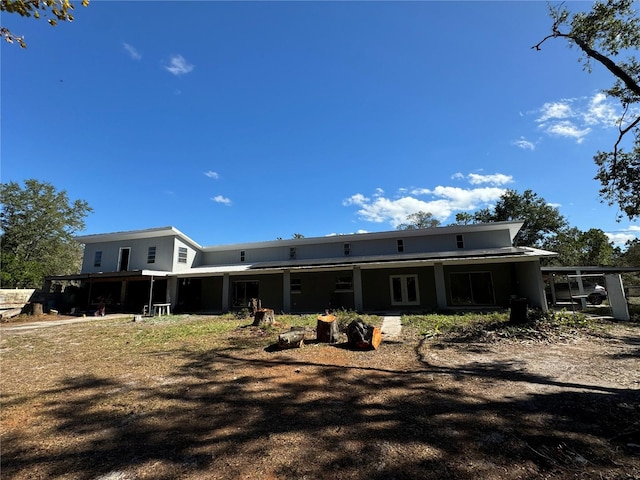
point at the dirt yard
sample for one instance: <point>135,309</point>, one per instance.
<point>122,400</point>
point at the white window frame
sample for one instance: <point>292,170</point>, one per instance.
<point>151,254</point>
<point>400,245</point>
<point>347,249</point>
<point>404,290</point>
<point>183,254</point>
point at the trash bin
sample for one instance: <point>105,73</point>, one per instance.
<point>518,310</point>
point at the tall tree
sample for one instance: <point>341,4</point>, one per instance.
<point>38,224</point>
<point>609,34</point>
<point>419,220</point>
<point>56,10</point>
<point>540,219</point>
<point>575,247</point>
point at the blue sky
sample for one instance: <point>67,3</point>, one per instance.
<point>248,121</point>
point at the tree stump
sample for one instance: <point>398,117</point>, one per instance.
<point>291,339</point>
<point>264,316</point>
<point>327,329</point>
<point>36,309</point>
<point>362,336</point>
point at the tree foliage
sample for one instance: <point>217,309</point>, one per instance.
<point>38,224</point>
<point>419,220</point>
<point>575,247</point>
<point>54,10</point>
<point>540,219</point>
<point>609,34</point>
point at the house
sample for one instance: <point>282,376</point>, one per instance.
<point>444,268</point>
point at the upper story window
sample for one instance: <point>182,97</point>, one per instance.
<point>182,254</point>
<point>460,241</point>
<point>151,255</point>
<point>242,256</point>
<point>97,259</point>
<point>347,249</point>
<point>400,244</point>
<point>292,252</point>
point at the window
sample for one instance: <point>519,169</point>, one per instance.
<point>182,254</point>
<point>347,249</point>
<point>471,288</point>
<point>97,259</point>
<point>123,264</point>
<point>292,252</point>
<point>151,255</point>
<point>344,284</point>
<point>459,241</point>
<point>296,285</point>
<point>404,290</point>
<point>242,255</point>
<point>400,244</point>
<point>243,292</point>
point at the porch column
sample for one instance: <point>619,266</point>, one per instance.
<point>357,289</point>
<point>286,291</point>
<point>123,293</point>
<point>441,286</point>
<point>225,292</point>
<point>172,291</point>
<point>583,301</point>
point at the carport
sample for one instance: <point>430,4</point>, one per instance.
<point>578,276</point>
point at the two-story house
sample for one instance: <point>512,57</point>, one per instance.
<point>443,268</point>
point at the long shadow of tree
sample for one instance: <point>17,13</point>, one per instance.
<point>300,419</point>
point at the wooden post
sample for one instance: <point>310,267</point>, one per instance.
<point>327,329</point>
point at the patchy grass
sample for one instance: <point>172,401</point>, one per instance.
<point>436,323</point>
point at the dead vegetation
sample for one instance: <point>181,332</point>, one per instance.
<point>206,398</point>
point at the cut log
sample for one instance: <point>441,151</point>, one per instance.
<point>362,336</point>
<point>327,329</point>
<point>11,313</point>
<point>291,339</point>
<point>264,316</point>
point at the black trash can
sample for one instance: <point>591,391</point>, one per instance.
<point>518,310</point>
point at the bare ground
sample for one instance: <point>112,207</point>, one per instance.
<point>93,401</point>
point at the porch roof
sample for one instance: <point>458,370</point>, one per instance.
<point>506,254</point>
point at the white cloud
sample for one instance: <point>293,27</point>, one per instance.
<point>576,118</point>
<point>623,236</point>
<point>445,201</point>
<point>495,179</point>
<point>555,110</point>
<point>599,112</point>
<point>178,65</point>
<point>478,179</point>
<point>133,53</point>
<point>357,199</point>
<point>567,129</point>
<point>212,174</point>
<point>524,144</point>
<point>220,199</point>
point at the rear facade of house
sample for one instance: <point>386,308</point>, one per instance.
<point>445,268</point>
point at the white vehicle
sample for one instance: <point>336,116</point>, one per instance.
<point>570,292</point>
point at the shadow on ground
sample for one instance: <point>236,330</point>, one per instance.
<point>283,418</point>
